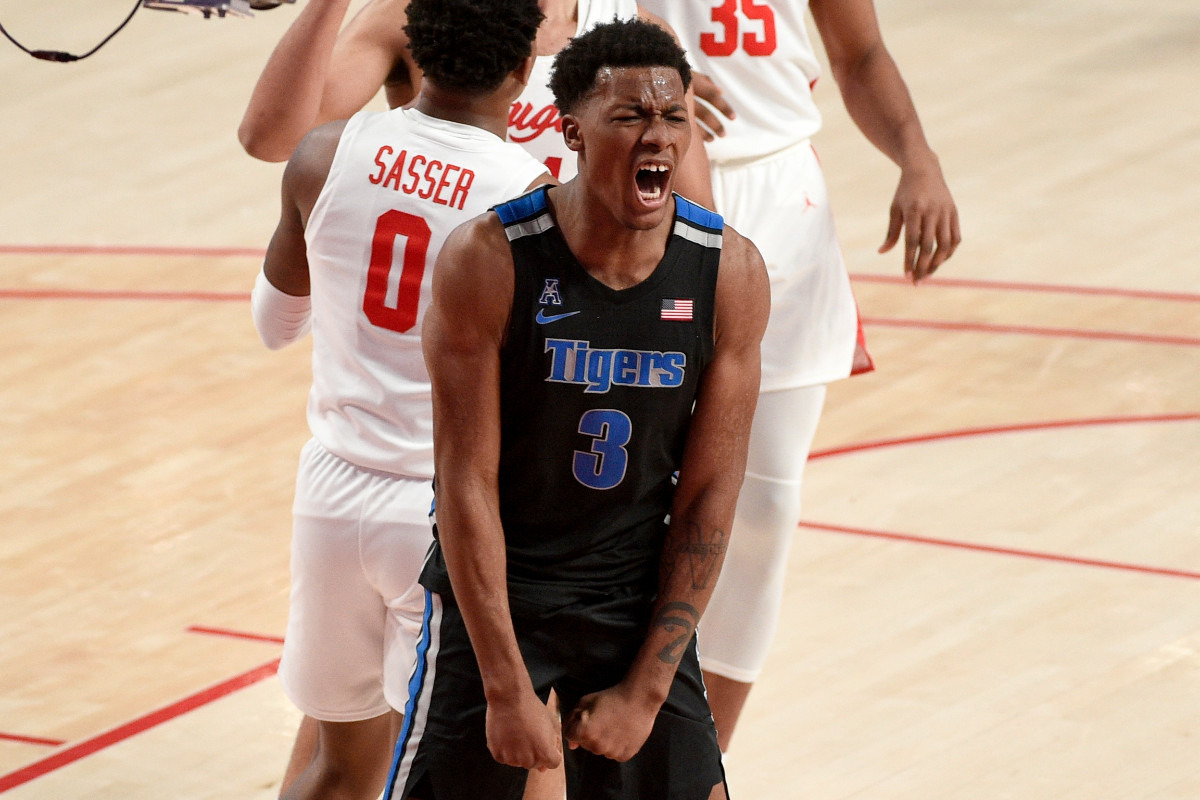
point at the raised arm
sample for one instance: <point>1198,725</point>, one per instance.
<point>462,334</point>
<point>617,721</point>
<point>316,75</point>
<point>880,105</point>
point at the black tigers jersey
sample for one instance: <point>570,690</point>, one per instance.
<point>597,390</point>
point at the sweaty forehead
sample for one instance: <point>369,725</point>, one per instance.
<point>649,86</point>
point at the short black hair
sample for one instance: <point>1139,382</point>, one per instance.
<point>471,45</point>
<point>620,43</point>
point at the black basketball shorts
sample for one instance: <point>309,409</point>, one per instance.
<point>575,648</point>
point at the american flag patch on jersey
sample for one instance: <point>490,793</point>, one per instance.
<point>680,310</point>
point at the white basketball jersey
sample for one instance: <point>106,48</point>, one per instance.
<point>399,183</point>
<point>759,53</point>
<point>534,121</point>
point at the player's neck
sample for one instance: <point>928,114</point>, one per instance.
<point>612,252</point>
<point>487,112</point>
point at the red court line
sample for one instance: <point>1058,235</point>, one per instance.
<point>104,294</point>
<point>139,725</point>
<point>1015,428</point>
<point>129,250</point>
<point>974,327</point>
<point>1029,330</point>
<point>860,277</point>
<point>254,637</point>
<point>1020,428</point>
<point>1015,286</point>
<point>1006,551</point>
<point>16,737</point>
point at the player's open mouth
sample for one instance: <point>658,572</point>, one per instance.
<point>652,181</point>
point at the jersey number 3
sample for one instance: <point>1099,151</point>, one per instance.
<point>726,16</point>
<point>604,466</point>
<point>391,301</point>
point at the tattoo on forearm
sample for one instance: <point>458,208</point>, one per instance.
<point>676,618</point>
<point>702,553</point>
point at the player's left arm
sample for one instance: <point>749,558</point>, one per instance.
<point>280,302</point>
<point>692,179</point>
<point>880,105</point>
<point>617,721</point>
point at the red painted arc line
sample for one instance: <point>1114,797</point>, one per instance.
<point>139,725</point>
<point>254,637</point>
<point>1016,286</point>
<point>1030,330</point>
<point>16,737</point>
<point>1015,428</point>
<point>104,294</point>
<point>1007,551</point>
<point>130,250</point>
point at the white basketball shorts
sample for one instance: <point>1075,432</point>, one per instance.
<point>781,204</point>
<point>359,538</point>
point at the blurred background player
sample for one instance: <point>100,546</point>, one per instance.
<point>367,204</point>
<point>768,184</point>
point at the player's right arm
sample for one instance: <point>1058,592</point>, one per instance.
<point>462,335</point>
<point>879,102</point>
<point>280,303</point>
<point>316,74</point>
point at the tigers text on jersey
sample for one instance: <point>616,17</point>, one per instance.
<point>533,121</point>
<point>596,393</point>
<point>399,183</point>
<point>759,53</point>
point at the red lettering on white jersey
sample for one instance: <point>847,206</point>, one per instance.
<point>431,183</point>
<point>524,124</point>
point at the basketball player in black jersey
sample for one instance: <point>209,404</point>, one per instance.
<point>572,333</point>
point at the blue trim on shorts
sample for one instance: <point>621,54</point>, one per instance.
<point>414,687</point>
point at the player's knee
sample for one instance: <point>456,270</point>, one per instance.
<point>766,519</point>
<point>767,504</point>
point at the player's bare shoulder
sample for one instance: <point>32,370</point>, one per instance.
<point>474,271</point>
<point>743,288</point>
<point>480,237</point>
<point>309,165</point>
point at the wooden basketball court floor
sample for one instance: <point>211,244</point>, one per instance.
<point>996,589</point>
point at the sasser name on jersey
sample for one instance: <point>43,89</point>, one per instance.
<point>422,176</point>
<point>575,361</point>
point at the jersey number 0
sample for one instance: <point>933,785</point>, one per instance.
<point>389,302</point>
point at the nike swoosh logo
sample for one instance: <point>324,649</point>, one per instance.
<point>542,317</point>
